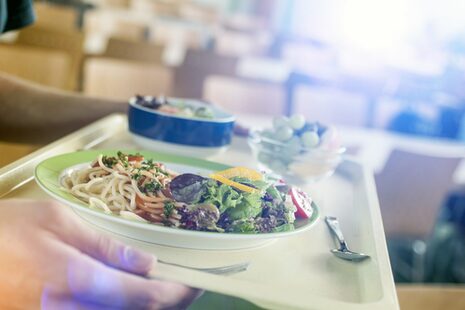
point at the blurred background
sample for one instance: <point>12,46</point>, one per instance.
<point>389,73</point>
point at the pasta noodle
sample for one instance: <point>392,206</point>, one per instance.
<point>127,186</point>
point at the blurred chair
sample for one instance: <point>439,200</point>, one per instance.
<point>118,4</point>
<point>102,24</point>
<point>56,17</point>
<point>44,66</point>
<point>245,96</point>
<point>122,79</point>
<point>416,119</point>
<point>263,68</point>
<point>431,297</point>
<point>386,109</point>
<point>178,33</point>
<point>316,61</point>
<point>411,189</point>
<point>244,22</point>
<point>330,105</point>
<point>130,30</point>
<point>70,42</point>
<point>111,24</point>
<point>198,64</point>
<point>130,50</point>
<point>211,61</point>
<point>161,8</point>
<point>239,44</point>
<point>197,12</point>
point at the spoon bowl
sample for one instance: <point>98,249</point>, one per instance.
<point>349,255</point>
<point>343,251</point>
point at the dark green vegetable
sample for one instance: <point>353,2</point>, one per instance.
<point>222,196</point>
<point>243,226</point>
<point>188,188</point>
<point>249,207</point>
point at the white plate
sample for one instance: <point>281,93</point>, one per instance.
<point>50,172</point>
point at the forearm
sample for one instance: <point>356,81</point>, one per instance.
<point>35,114</point>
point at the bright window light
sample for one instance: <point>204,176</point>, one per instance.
<point>374,25</point>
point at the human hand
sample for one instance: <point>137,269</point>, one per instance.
<point>51,260</point>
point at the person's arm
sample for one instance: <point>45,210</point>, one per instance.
<point>31,113</point>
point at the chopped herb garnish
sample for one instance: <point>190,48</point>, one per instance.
<point>123,158</point>
<point>109,161</point>
<point>136,174</point>
<point>149,164</point>
<point>168,209</point>
<point>160,170</point>
<point>152,186</point>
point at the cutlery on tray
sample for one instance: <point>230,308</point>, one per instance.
<point>343,251</point>
<point>221,270</point>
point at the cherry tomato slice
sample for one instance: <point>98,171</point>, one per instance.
<point>135,158</point>
<point>302,202</point>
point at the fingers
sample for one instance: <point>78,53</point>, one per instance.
<point>99,246</point>
<point>114,253</point>
<point>92,282</point>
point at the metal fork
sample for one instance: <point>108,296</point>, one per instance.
<point>221,270</point>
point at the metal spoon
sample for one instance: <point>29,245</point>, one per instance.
<point>343,251</point>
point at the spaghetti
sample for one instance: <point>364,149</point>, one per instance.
<point>128,186</point>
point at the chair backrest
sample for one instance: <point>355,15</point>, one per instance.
<point>330,105</point>
<point>245,96</point>
<point>70,42</point>
<point>177,33</point>
<point>130,50</point>
<point>211,61</point>
<point>53,16</point>
<point>411,189</point>
<point>244,22</point>
<point>239,44</point>
<point>200,13</point>
<point>126,25</point>
<point>117,4</point>
<point>386,109</point>
<point>197,66</point>
<point>44,66</point>
<point>122,79</point>
<point>130,30</point>
<point>161,8</point>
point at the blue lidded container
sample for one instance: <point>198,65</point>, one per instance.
<point>187,135</point>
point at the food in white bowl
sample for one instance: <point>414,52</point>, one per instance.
<point>297,150</point>
<point>236,200</point>
<point>52,174</point>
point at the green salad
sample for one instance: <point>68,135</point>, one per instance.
<point>248,206</point>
